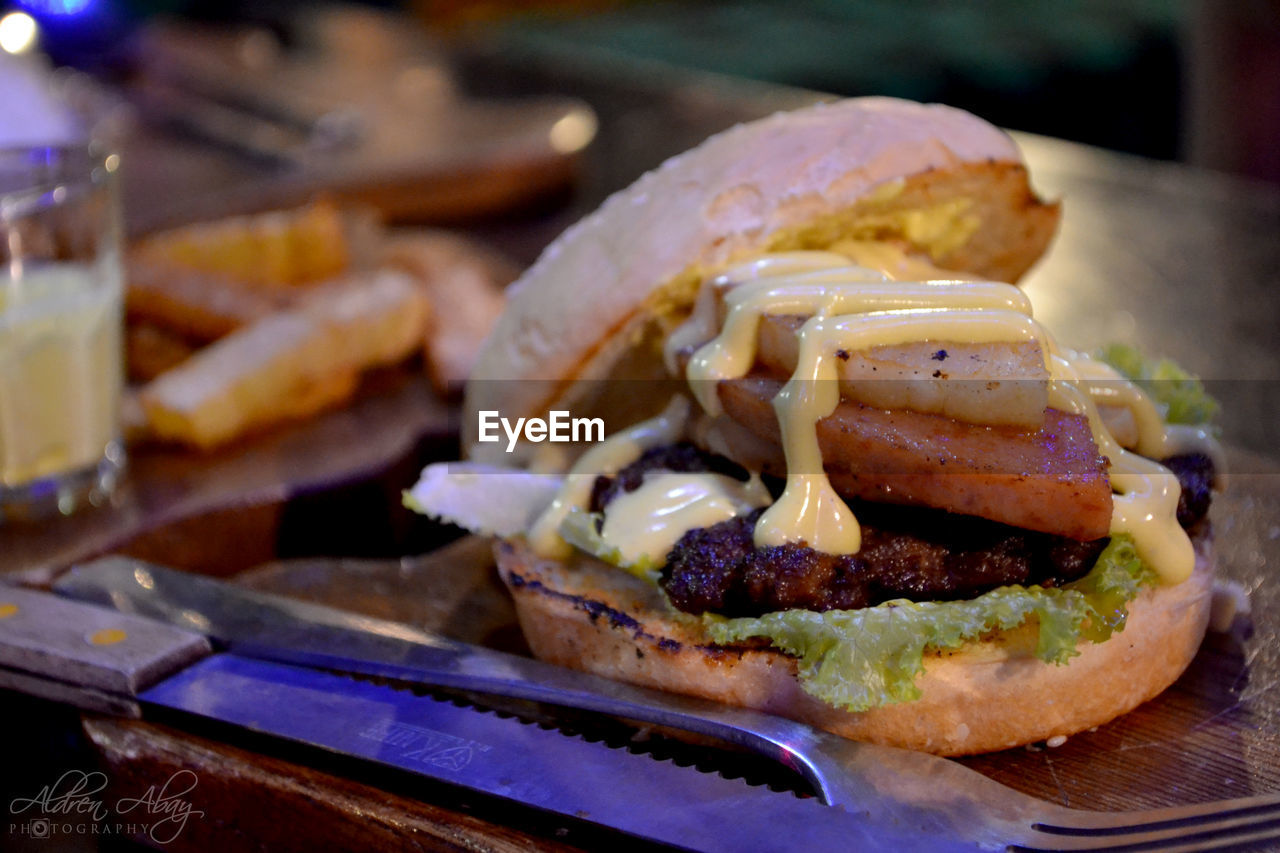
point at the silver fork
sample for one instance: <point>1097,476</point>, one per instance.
<point>912,790</point>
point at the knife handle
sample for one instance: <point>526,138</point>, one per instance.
<point>89,656</point>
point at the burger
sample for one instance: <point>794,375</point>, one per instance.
<point>848,478</point>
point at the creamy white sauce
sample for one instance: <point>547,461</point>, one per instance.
<point>646,523</point>
<point>1145,504</point>
<point>1106,386</point>
<point>608,457</point>
<point>1184,438</point>
<point>854,308</point>
<point>701,325</point>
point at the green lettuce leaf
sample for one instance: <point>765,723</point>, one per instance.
<point>1115,580</point>
<point>581,529</point>
<point>1179,395</point>
<point>861,659</point>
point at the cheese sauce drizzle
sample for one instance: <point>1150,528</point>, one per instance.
<point>646,523</point>
<point>854,308</point>
<point>1155,438</point>
<point>608,457</point>
<point>702,324</point>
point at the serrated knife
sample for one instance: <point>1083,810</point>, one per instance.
<point>272,679</point>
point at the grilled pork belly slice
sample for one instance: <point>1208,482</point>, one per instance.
<point>1050,479</point>
<point>997,383</point>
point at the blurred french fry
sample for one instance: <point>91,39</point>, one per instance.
<point>133,420</point>
<point>279,248</point>
<point>195,305</point>
<point>150,350</point>
<point>380,316</point>
<point>465,284</point>
<point>288,364</point>
<point>292,324</point>
<point>203,281</point>
<point>364,234</point>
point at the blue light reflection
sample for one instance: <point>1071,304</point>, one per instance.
<point>56,8</point>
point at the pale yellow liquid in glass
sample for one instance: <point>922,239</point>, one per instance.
<point>60,369</point>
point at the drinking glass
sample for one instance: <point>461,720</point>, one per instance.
<point>61,374</point>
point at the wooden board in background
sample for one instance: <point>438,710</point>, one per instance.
<point>221,512</point>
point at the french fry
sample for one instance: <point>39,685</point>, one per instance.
<point>465,284</point>
<point>380,316</point>
<point>278,248</point>
<point>199,306</point>
<point>150,350</point>
<point>133,419</point>
<point>288,364</point>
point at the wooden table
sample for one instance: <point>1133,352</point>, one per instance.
<point>1177,261</point>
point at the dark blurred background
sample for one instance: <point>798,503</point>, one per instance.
<point>1194,80</point>
<point>1101,71</point>
<point>1197,80</point>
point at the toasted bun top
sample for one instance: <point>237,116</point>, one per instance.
<point>864,168</point>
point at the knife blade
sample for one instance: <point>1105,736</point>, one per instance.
<point>882,786</point>
<point>635,794</point>
<point>499,756</point>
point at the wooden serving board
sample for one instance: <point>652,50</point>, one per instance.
<point>224,511</point>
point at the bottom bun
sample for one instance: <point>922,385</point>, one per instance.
<point>987,695</point>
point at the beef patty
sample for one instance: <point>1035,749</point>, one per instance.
<point>915,553</point>
<point>682,457</point>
